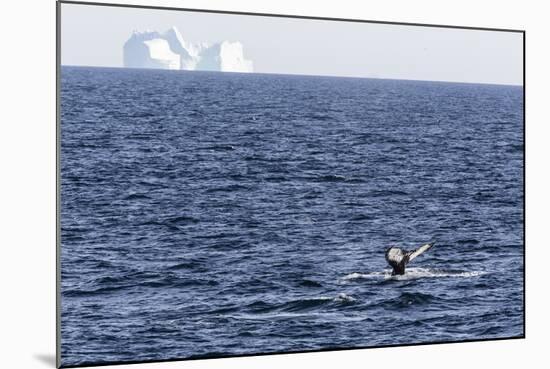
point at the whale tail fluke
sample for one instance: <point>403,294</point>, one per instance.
<point>419,251</point>
<point>398,258</point>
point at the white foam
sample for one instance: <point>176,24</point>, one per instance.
<point>373,275</point>
<point>413,273</point>
<point>342,297</point>
<point>319,316</point>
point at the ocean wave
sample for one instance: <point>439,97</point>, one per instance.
<point>300,305</point>
<point>136,196</point>
<point>109,284</point>
<point>317,316</point>
<point>407,300</point>
<point>304,303</point>
<point>331,178</point>
<point>138,136</point>
<point>310,283</point>
<point>218,148</point>
<point>183,219</point>
<point>342,297</point>
<point>184,265</point>
<point>387,193</point>
<point>360,217</point>
<point>169,225</point>
<point>229,188</point>
<point>472,241</point>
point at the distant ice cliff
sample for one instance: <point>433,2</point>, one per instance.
<point>151,49</point>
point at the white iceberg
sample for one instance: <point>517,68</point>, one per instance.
<point>225,57</point>
<point>151,49</point>
<point>144,50</point>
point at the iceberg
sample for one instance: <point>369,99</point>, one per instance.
<point>225,57</point>
<point>146,50</point>
<point>169,50</point>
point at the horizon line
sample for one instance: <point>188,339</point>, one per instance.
<point>300,75</point>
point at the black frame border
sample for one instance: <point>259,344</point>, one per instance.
<point>206,357</point>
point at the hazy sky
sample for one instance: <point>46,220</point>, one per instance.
<point>94,36</point>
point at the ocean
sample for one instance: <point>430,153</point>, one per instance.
<point>208,214</point>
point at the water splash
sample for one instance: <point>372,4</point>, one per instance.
<point>414,273</point>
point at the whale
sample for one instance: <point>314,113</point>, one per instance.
<point>398,258</point>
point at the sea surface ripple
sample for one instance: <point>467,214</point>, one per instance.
<point>207,214</point>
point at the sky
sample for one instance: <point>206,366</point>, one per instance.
<point>94,36</point>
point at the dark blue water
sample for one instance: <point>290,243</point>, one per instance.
<point>207,214</point>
